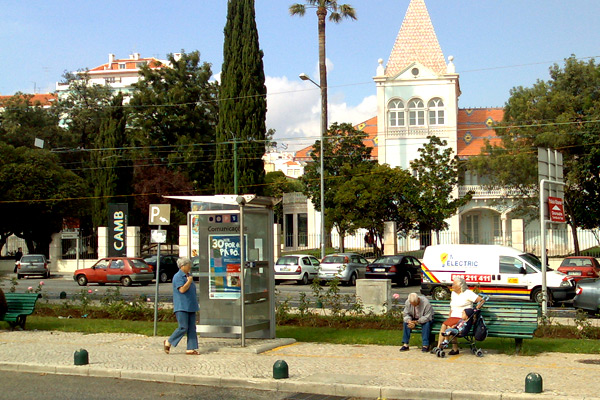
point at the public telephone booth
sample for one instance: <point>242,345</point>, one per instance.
<point>217,247</point>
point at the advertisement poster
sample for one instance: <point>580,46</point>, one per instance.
<point>117,229</point>
<point>195,239</point>
<point>224,266</point>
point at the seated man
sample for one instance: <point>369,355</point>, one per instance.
<point>417,311</point>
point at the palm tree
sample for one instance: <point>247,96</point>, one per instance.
<point>337,12</point>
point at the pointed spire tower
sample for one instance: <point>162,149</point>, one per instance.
<point>416,42</point>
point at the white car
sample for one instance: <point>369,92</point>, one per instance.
<point>301,268</point>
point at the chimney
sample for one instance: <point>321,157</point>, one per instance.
<point>134,56</point>
<point>111,59</point>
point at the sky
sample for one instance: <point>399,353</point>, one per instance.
<point>497,45</point>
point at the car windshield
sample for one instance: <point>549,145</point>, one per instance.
<point>138,263</point>
<point>534,261</point>
<point>387,260</point>
<point>334,260</point>
<point>150,259</point>
<point>287,260</point>
<point>32,259</point>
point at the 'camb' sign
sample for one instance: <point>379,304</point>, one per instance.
<point>117,230</point>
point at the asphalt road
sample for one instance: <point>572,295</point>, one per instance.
<point>23,386</point>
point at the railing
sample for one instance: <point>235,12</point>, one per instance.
<point>413,131</point>
<point>484,192</point>
<point>88,248</point>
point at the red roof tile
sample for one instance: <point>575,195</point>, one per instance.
<point>474,126</point>
<point>43,99</point>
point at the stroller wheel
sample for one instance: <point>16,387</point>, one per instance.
<point>474,350</point>
<point>479,353</point>
<point>442,354</point>
<point>434,350</point>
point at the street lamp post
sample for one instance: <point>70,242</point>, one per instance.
<point>305,77</point>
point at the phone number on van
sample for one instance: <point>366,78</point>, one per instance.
<point>473,277</point>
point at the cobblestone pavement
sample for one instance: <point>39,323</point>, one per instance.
<point>349,370</point>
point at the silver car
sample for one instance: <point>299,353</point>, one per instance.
<point>348,267</point>
<point>301,268</point>
<point>33,264</point>
<point>588,295</point>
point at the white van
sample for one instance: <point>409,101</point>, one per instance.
<point>498,271</point>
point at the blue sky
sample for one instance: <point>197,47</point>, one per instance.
<point>496,45</point>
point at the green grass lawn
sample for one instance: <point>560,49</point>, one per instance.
<point>311,334</point>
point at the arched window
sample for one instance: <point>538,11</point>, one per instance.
<point>416,112</point>
<point>396,113</point>
<point>436,111</point>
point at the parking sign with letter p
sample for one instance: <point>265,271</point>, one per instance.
<point>159,214</point>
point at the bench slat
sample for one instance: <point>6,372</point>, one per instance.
<point>20,305</point>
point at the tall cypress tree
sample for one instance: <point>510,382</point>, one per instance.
<point>242,105</point>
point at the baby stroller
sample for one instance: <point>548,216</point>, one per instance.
<point>467,331</point>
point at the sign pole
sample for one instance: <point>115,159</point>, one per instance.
<point>156,288</point>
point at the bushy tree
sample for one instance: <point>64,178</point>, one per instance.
<point>243,104</point>
<point>174,113</point>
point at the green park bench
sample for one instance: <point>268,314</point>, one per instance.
<point>506,319</point>
<point>20,305</point>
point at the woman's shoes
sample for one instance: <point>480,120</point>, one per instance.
<point>166,347</point>
<point>453,352</point>
<point>404,348</point>
<point>425,349</point>
<point>192,353</point>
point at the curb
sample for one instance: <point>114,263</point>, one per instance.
<point>334,389</point>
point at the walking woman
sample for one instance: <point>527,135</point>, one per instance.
<point>185,306</point>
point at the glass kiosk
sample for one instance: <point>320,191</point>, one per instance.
<point>216,246</point>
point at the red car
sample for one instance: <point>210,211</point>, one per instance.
<point>580,267</point>
<point>124,270</point>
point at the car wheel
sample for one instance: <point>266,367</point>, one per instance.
<point>82,280</point>
<point>144,283</point>
<point>278,282</point>
<point>126,281</point>
<point>163,277</point>
<point>440,293</point>
<point>101,284</point>
<point>304,280</point>
<point>536,296</point>
<point>404,280</point>
<point>19,276</point>
<point>352,280</point>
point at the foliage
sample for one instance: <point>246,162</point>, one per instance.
<point>174,116</point>
<point>276,184</point>
<point>112,173</point>
<point>561,113</point>
<point>243,104</point>
<point>344,152</point>
<point>437,177</point>
<point>36,192</point>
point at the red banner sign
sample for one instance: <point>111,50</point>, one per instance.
<point>556,210</point>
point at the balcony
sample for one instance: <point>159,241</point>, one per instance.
<point>417,131</point>
<point>485,192</point>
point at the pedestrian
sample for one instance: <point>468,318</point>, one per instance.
<point>18,256</point>
<point>417,311</point>
<point>185,306</point>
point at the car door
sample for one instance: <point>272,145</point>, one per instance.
<point>513,282</point>
<point>306,265</point>
<point>415,265</point>
<point>314,261</point>
<point>115,271</point>
<point>360,265</point>
<point>98,274</point>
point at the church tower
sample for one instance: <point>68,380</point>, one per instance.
<point>417,92</point>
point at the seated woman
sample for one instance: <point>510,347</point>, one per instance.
<point>462,297</point>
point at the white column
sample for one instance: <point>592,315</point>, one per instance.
<point>133,241</point>
<point>102,242</point>
<point>390,238</point>
<point>183,241</point>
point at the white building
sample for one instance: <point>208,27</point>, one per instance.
<point>119,74</point>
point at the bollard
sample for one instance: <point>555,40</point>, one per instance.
<point>280,370</point>
<point>533,383</point>
<point>62,295</point>
<point>81,357</point>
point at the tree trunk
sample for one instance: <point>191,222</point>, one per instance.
<point>321,14</point>
<point>575,238</point>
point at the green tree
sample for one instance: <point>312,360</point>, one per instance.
<point>337,12</point>
<point>276,184</point>
<point>561,113</point>
<point>437,174</point>
<point>174,113</point>
<point>35,194</point>
<point>343,150</point>
<point>112,172</point>
<point>243,104</point>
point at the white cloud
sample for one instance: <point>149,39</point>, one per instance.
<point>294,111</point>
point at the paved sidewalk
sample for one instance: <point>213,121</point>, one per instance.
<point>342,370</point>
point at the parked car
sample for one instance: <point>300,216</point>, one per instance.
<point>196,267</point>
<point>587,295</point>
<point>348,267</point>
<point>33,264</point>
<point>301,268</point>
<point>124,270</point>
<point>580,267</point>
<point>168,266</point>
<point>402,270</point>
